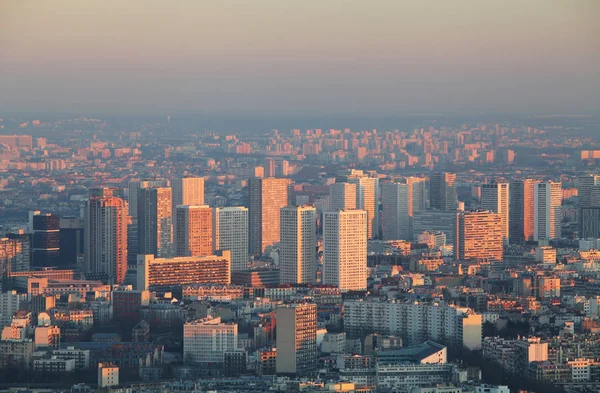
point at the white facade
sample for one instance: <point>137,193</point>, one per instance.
<point>345,249</point>
<point>491,389</point>
<point>230,232</point>
<point>9,304</point>
<point>495,198</point>
<point>297,245</point>
<point>395,199</point>
<point>207,340</point>
<point>414,322</point>
<point>547,210</point>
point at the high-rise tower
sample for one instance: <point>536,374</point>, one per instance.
<point>297,246</point>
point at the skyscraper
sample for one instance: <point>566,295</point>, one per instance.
<point>45,240</point>
<point>188,191</point>
<point>442,191</point>
<point>296,339</point>
<point>194,230</point>
<point>588,194</point>
<point>132,230</point>
<point>297,246</point>
<point>106,237</point>
<point>395,219</point>
<point>367,199</point>
<point>417,201</point>
<point>345,249</point>
<point>478,236</point>
<point>547,210</point>
<point>342,196</point>
<point>495,198</point>
<point>230,232</point>
<point>521,214</point>
<point>266,198</point>
<point>155,229</point>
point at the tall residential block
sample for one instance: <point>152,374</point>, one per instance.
<point>105,237</point>
<point>442,191</point>
<point>547,210</point>
<point>521,211</point>
<point>395,220</point>
<point>297,246</point>
<point>478,236</point>
<point>367,199</point>
<point>495,198</point>
<point>193,232</point>
<point>186,191</point>
<point>342,196</point>
<point>132,230</point>
<point>345,249</point>
<point>154,218</point>
<point>230,233</point>
<point>266,198</point>
<point>588,194</point>
<point>296,339</point>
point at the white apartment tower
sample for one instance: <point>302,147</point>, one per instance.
<point>395,220</point>
<point>547,209</point>
<point>495,198</point>
<point>230,232</point>
<point>297,245</point>
<point>345,249</point>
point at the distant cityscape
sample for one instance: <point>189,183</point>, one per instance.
<point>148,256</point>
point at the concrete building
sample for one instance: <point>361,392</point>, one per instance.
<point>155,227</point>
<point>108,375</point>
<point>54,365</point>
<point>9,305</point>
<point>521,211</point>
<point>547,210</point>
<point>297,246</point>
<point>45,247</point>
<point>132,199</point>
<point>47,337</point>
<point>345,249</point>
<point>435,221</point>
<point>106,237</point>
<point>415,323</point>
<point>205,341</point>
<point>495,198</point>
<point>367,199</point>
<point>395,220</point>
<point>266,198</point>
<point>187,191</point>
<point>230,233</point>
<point>211,269</point>
<point>297,339</point>
<point>478,236</point>
<point>442,191</point>
<point>342,196</point>
<point>194,231</point>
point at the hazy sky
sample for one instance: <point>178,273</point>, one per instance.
<point>295,57</point>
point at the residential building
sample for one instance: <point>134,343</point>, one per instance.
<point>297,246</point>
<point>297,339</point>
<point>230,233</point>
<point>266,198</point>
<point>194,231</point>
<point>205,341</point>
<point>345,249</point>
